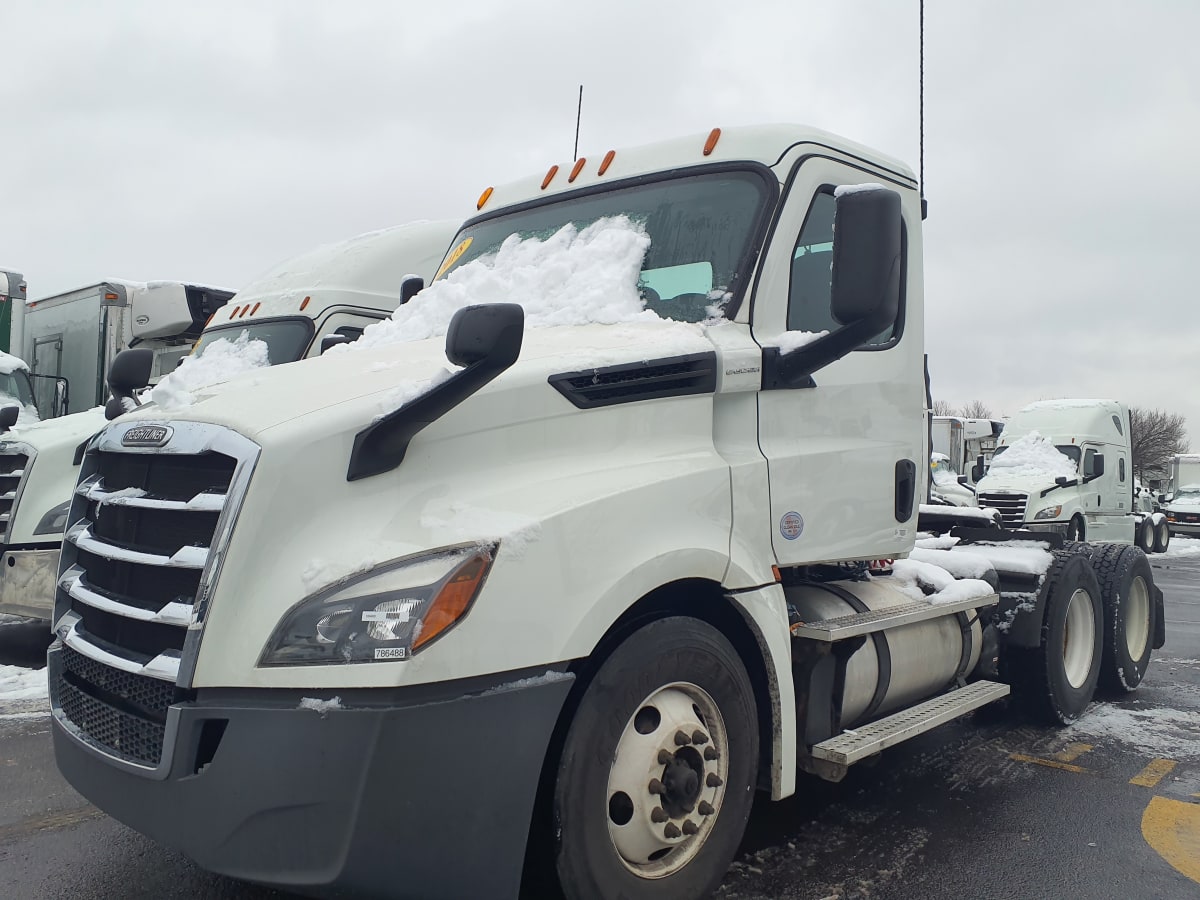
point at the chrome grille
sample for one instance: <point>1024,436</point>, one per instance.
<point>1010,506</point>
<point>14,466</point>
<point>136,571</point>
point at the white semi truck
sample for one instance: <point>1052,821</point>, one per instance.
<point>562,582</point>
<point>332,292</point>
<point>1181,505</point>
<point>1064,466</point>
<point>959,447</point>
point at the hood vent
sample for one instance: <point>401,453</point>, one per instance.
<point>675,376</point>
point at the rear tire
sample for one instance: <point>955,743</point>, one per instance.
<point>1162,536</point>
<point>1145,535</point>
<point>1126,587</point>
<point>658,768</point>
<point>1056,681</point>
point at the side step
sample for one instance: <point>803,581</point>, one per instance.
<point>830,630</point>
<point>851,746</point>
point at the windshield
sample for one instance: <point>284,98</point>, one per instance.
<point>700,229</point>
<point>943,472</point>
<point>286,339</point>
<point>15,386</point>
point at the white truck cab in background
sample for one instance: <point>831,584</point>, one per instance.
<point>960,446</point>
<point>343,286</point>
<point>1181,503</point>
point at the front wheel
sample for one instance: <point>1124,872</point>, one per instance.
<point>657,773</point>
<point>1162,536</point>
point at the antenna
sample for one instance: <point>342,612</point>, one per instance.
<point>578,117</point>
<point>921,126</point>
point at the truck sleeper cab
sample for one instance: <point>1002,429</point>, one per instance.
<point>592,577</point>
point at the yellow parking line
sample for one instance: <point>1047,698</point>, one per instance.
<point>1049,763</point>
<point>1072,752</point>
<point>1156,771</point>
<point>1172,828</point>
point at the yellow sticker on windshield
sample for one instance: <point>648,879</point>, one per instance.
<point>454,257</point>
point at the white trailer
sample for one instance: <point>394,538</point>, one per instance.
<point>556,565</point>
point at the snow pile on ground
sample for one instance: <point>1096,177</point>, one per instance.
<point>17,683</point>
<point>220,361</point>
<point>10,364</point>
<point>1181,546</point>
<point>572,277</point>
<point>452,521</point>
<point>1163,733</point>
<point>924,581</point>
<point>1033,456</point>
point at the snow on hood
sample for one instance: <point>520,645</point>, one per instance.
<point>1187,496</point>
<point>72,429</point>
<point>572,277</point>
<point>1033,456</point>
<point>10,364</point>
<point>221,360</point>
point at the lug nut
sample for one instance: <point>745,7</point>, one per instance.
<point>671,831</point>
<point>681,739</point>
<point>699,737</point>
<point>705,808</point>
<point>658,815</point>
<point>710,753</point>
<point>665,758</point>
<point>656,787</point>
<point>713,780</point>
<point>690,827</point>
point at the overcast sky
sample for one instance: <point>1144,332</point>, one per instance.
<point>207,141</point>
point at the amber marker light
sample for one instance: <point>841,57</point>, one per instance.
<point>454,599</point>
<point>483,198</point>
<point>579,164</point>
<point>245,309</point>
<point>233,314</point>
<point>713,137</point>
<point>256,306</point>
<point>549,177</point>
<point>778,575</point>
<point>111,296</point>
<point>606,162</point>
<point>305,303</point>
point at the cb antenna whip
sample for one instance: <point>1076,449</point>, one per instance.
<point>578,117</point>
<point>921,126</point>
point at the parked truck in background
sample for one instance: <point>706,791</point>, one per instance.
<point>564,581</point>
<point>959,446</point>
<point>1181,503</point>
<point>336,289</point>
<point>13,289</point>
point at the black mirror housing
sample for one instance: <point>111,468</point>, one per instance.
<point>867,258</point>
<point>130,370</point>
<point>410,286</point>
<point>333,340</point>
<point>977,472</point>
<point>491,332</point>
<point>1097,465</point>
<point>8,417</point>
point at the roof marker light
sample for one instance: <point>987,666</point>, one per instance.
<point>305,303</point>
<point>245,309</point>
<point>111,296</point>
<point>256,306</point>
<point>607,161</point>
<point>483,198</point>
<point>579,164</point>
<point>713,137</point>
<point>233,315</point>
<point>549,177</point>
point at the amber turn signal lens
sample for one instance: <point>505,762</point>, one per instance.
<point>483,198</point>
<point>606,162</point>
<point>579,163</point>
<point>549,177</point>
<point>455,597</point>
<point>713,137</point>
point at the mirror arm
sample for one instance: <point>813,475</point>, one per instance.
<point>795,369</point>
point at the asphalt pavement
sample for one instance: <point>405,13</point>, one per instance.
<point>986,807</point>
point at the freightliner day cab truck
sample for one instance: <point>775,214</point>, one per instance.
<point>1064,466</point>
<point>335,290</point>
<point>549,590</point>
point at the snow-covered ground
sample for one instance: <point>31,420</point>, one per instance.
<point>17,683</point>
<point>1160,732</point>
<point>1183,546</point>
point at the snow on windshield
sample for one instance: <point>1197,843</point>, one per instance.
<point>220,361</point>
<point>10,364</point>
<point>573,277</point>
<point>1033,456</point>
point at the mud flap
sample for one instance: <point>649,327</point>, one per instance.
<point>1160,623</point>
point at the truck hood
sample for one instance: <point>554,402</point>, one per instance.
<point>379,380</point>
<point>998,482</point>
<point>73,429</point>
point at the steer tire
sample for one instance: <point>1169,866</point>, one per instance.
<point>1162,536</point>
<point>1130,614</point>
<point>1056,681</point>
<point>1076,531</point>
<point>646,672</point>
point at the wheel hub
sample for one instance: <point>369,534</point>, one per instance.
<point>682,781</point>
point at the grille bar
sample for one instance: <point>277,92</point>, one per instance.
<point>80,534</point>
<point>164,666</point>
<point>76,586</point>
<point>93,489</point>
<point>15,461</point>
<point>1010,506</point>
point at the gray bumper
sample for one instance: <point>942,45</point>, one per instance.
<point>1191,529</point>
<point>421,796</point>
<point>1048,527</point>
<point>27,579</point>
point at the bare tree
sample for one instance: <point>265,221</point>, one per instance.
<point>976,409</point>
<point>942,408</point>
<point>1155,436</point>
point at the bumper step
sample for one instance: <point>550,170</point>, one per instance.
<point>842,627</point>
<point>851,746</point>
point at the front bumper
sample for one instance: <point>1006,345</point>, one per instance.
<point>27,580</point>
<point>1049,527</point>
<point>419,795</point>
<point>1184,528</point>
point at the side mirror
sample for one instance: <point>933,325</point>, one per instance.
<point>61,396</point>
<point>8,417</point>
<point>490,333</point>
<point>867,259</point>
<point>1097,465</point>
<point>977,472</point>
<point>333,340</point>
<point>1060,480</point>
<point>130,371</point>
<point>410,287</point>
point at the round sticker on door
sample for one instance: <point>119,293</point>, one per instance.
<point>791,526</point>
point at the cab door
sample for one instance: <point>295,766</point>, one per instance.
<point>847,453</point>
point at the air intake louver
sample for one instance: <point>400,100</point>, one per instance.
<point>676,376</point>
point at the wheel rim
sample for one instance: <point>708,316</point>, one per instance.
<point>667,780</point>
<point>1079,638</point>
<point>1137,618</point>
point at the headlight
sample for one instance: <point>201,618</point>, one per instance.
<point>1050,512</point>
<point>388,614</point>
<point>55,521</point>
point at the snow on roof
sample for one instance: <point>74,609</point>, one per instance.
<point>1033,456</point>
<point>10,364</point>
